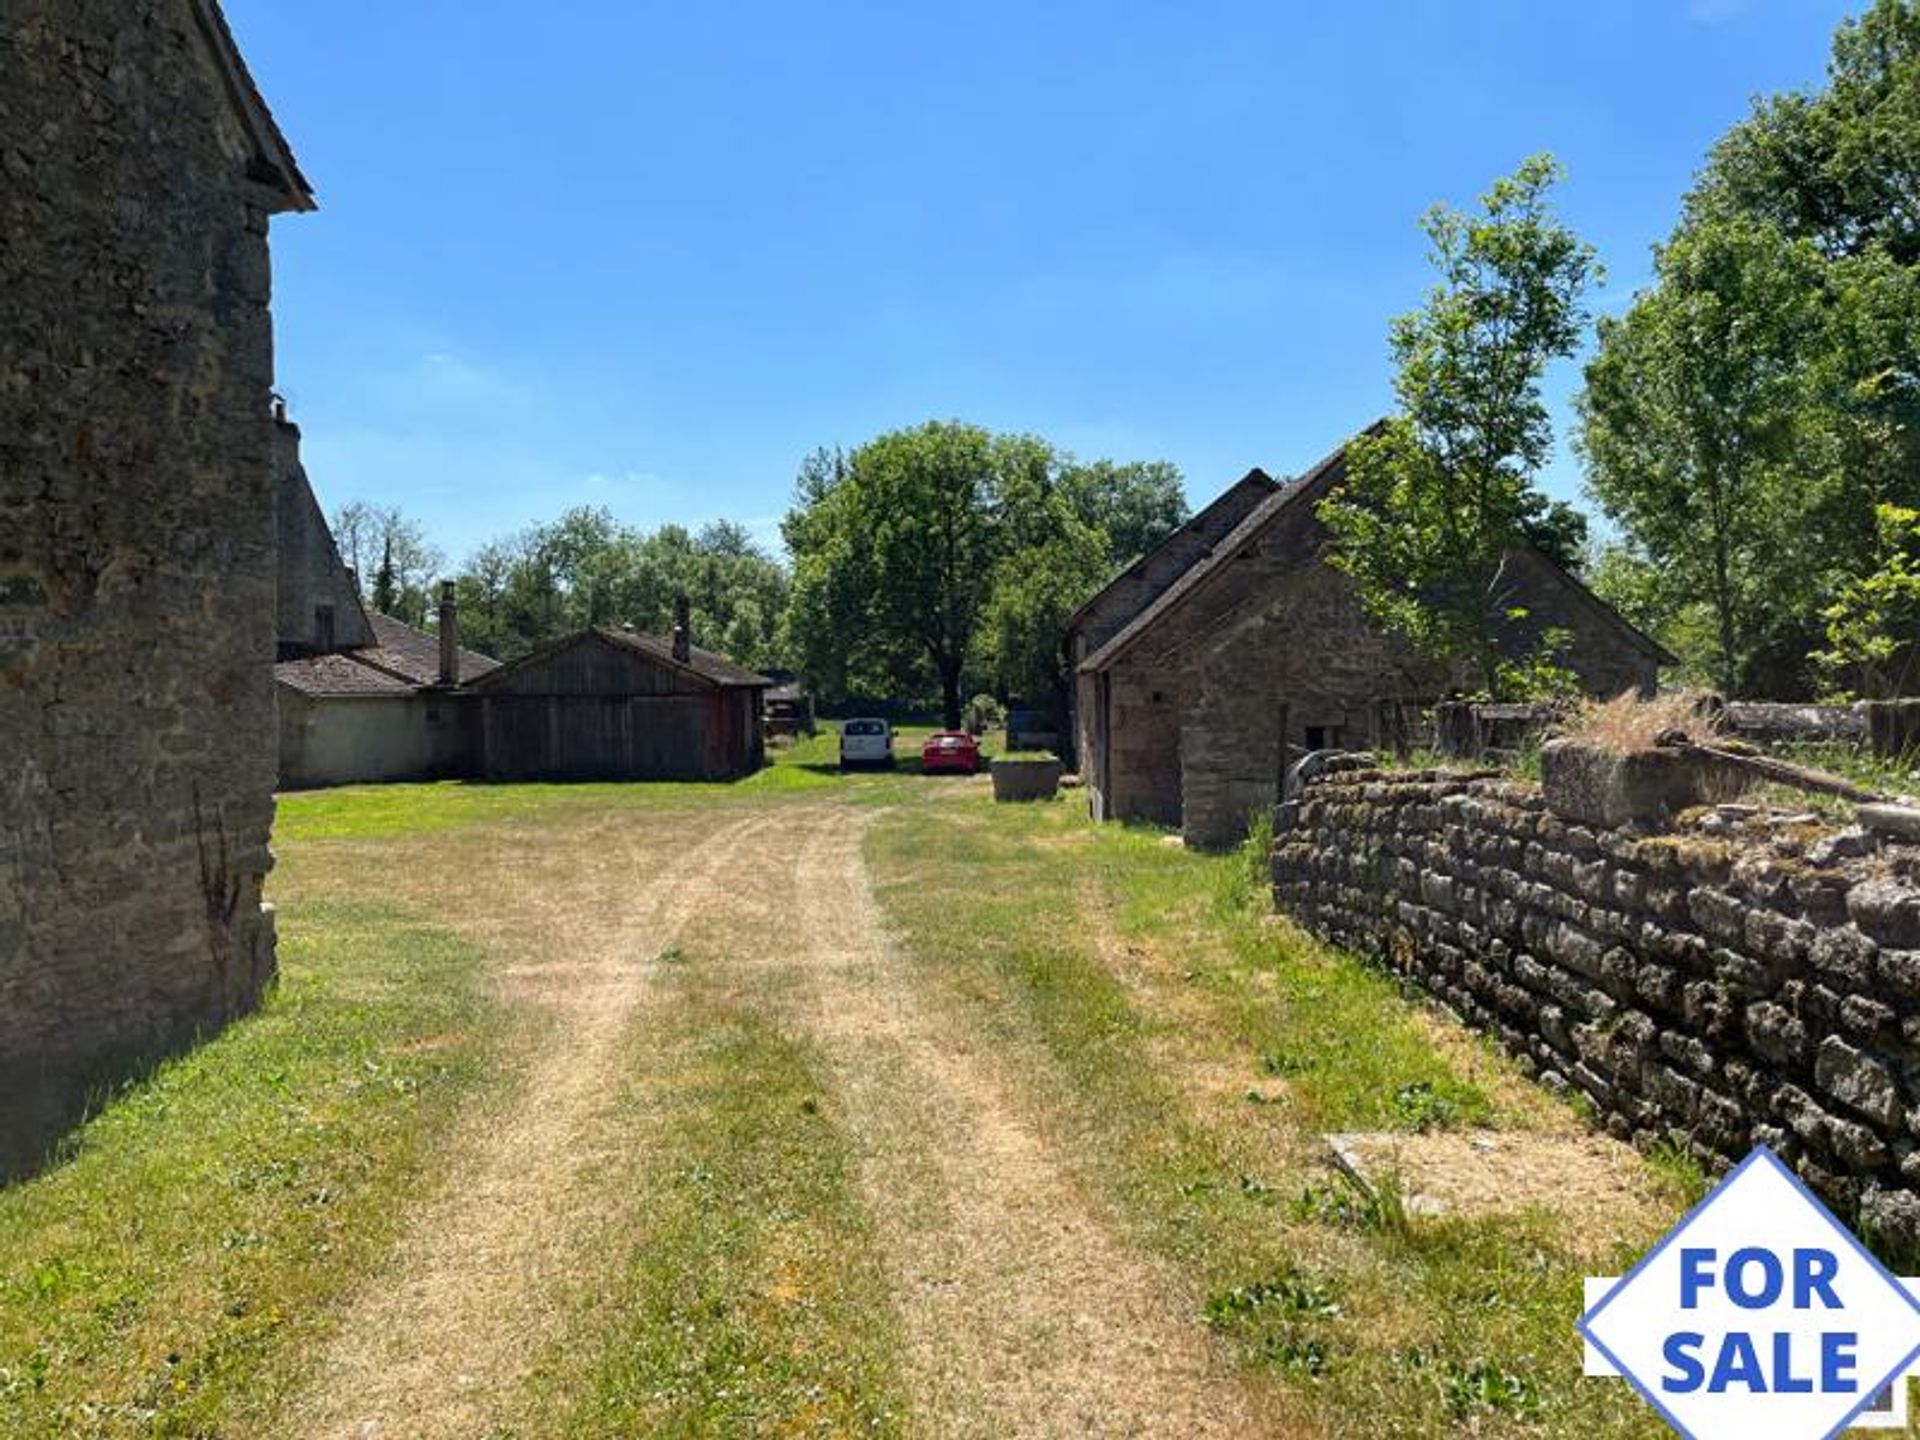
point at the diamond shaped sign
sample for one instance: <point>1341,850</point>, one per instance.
<point>1759,1315</point>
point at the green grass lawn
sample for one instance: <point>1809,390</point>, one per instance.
<point>742,1294</point>
<point>1192,1099</point>
<point>1175,1044</point>
<point>163,1278</point>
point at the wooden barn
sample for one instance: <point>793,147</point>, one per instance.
<point>620,705</point>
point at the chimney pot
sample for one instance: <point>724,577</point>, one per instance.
<point>449,636</point>
<point>682,629</point>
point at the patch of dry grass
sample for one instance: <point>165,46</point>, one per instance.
<point>1629,722</point>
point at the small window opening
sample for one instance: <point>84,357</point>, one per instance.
<point>1317,737</point>
<point>323,627</point>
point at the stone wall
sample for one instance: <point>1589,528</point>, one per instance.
<point>137,585</point>
<point>1758,985</point>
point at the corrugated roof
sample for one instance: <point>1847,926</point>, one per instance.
<point>338,676</point>
<point>705,665</point>
<point>414,655</point>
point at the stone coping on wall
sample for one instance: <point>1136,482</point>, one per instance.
<point>1748,976</point>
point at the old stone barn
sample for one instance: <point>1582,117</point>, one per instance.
<point>1234,643</point>
<point>138,592</point>
<point>621,705</point>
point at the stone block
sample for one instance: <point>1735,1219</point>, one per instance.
<point>1859,1082</point>
<point>1896,822</point>
<point>1888,910</point>
<point>1893,726</point>
<point>1776,1033</point>
<point>1845,954</point>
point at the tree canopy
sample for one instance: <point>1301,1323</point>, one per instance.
<point>392,560</point>
<point>585,568</point>
<point>945,552</point>
<point>1439,497</point>
<point>1747,419</point>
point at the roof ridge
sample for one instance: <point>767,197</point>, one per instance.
<point>1185,527</point>
<point>1211,563</point>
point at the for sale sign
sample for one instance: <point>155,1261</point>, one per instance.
<point>1759,1316</point>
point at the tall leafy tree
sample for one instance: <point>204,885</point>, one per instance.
<point>1134,505</point>
<point>896,556</point>
<point>1873,628</point>
<point>376,540</point>
<point>1439,498</point>
<point>931,556</point>
<point>1692,426</point>
<point>1774,365</point>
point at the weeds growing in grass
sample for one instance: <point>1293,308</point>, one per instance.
<point>1678,1167</point>
<point>1282,1322</point>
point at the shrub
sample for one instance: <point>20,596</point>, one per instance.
<point>985,713</point>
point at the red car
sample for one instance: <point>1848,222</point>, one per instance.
<point>953,751</point>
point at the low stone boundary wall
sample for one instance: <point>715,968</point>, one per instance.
<point>1764,987</point>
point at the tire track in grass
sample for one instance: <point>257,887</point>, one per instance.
<point>1023,1313</point>
<point>447,1329</point>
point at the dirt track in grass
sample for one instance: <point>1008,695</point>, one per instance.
<point>1023,1313</point>
<point>442,1334</point>
<point>1020,1310</point>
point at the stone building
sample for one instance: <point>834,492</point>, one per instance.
<point>1256,648</point>
<point>317,610</point>
<point>396,710</point>
<point>139,169</point>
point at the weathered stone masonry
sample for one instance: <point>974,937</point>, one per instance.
<point>1727,991</point>
<point>137,542</point>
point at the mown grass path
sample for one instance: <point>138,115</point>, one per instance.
<point>813,1105</point>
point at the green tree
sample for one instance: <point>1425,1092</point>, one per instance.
<point>895,555</point>
<point>586,568</point>
<point>1745,422</point>
<point>1134,506</point>
<point>1873,628</point>
<point>931,555</point>
<point>386,589</point>
<point>377,539</point>
<point>1440,496</point>
<point>1691,425</point>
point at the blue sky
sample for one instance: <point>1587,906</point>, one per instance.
<point>648,255</point>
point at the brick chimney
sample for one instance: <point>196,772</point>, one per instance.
<point>449,636</point>
<point>682,629</point>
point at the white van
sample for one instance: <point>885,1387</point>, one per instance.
<point>866,742</point>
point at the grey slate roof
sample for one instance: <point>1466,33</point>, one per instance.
<point>328,677</point>
<point>1317,480</point>
<point>1311,488</point>
<point>414,655</point>
<point>1236,498</point>
<point>404,662</point>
